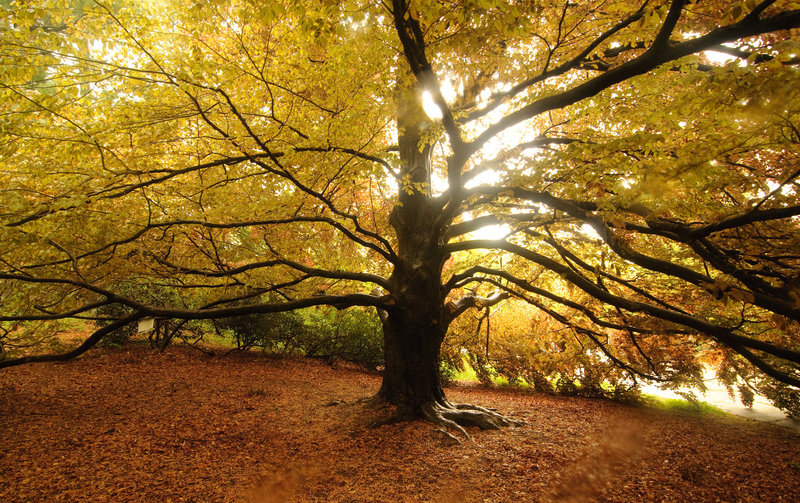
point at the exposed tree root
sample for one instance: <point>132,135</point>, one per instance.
<point>450,436</point>
<point>456,416</point>
<point>443,414</point>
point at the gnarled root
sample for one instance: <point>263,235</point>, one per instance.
<point>456,416</point>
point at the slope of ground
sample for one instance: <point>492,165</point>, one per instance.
<point>135,426</point>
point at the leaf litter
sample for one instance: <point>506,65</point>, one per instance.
<point>135,426</point>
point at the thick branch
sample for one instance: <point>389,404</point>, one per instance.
<point>739,220</point>
<point>310,271</point>
<point>662,38</point>
<point>85,345</point>
<point>459,306</point>
<point>336,301</point>
<point>476,223</point>
<point>638,66</point>
<point>468,276</point>
<point>55,316</point>
<point>498,99</point>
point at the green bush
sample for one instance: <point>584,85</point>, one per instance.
<point>141,291</point>
<point>354,335</point>
<point>279,332</point>
<point>448,372</point>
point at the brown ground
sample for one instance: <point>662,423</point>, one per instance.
<point>133,425</point>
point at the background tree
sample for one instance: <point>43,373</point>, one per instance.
<point>350,154</point>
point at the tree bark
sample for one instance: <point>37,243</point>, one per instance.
<point>416,326</point>
<point>411,376</point>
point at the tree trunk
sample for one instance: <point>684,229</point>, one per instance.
<point>415,328</point>
<point>411,377</point>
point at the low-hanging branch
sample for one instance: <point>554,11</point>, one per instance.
<point>723,335</point>
<point>211,313</point>
<point>469,276</point>
<point>595,338</point>
<point>86,345</point>
<point>227,272</point>
<point>562,319</point>
<point>763,294</point>
<point>758,362</point>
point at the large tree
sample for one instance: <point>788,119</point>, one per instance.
<point>354,154</point>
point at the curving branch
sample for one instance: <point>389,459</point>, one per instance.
<point>144,311</point>
<point>731,222</point>
<point>593,335</point>
<point>471,301</point>
<point>657,55</point>
<point>119,191</point>
<point>86,345</point>
<point>764,295</point>
<point>723,335</point>
<point>476,223</point>
<point>309,271</point>
<point>56,316</point>
<point>498,99</point>
<point>468,276</point>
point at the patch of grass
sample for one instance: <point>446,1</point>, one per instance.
<point>499,380</point>
<point>522,384</point>
<point>218,340</point>
<point>466,373</point>
<point>680,405</point>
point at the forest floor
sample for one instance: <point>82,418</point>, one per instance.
<point>132,425</point>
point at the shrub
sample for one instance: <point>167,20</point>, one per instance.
<point>354,335</point>
<point>140,291</point>
<point>529,349</point>
<point>268,331</point>
<point>164,330</point>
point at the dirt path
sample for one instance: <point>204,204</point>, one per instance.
<point>136,426</point>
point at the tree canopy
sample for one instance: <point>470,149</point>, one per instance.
<point>627,169</point>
